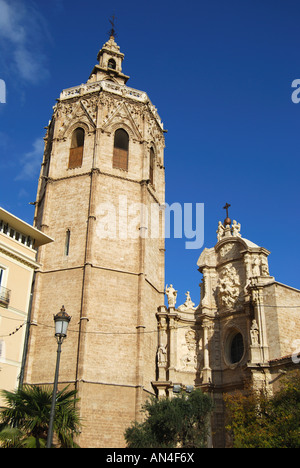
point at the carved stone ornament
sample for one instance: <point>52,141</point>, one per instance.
<point>190,360</point>
<point>228,251</point>
<point>191,340</point>
<point>228,287</point>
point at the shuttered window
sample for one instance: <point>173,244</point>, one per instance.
<point>76,150</point>
<point>120,155</point>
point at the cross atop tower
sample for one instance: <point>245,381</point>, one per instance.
<point>110,60</point>
<point>112,32</point>
<point>227,220</point>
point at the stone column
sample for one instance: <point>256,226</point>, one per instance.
<point>162,384</point>
<point>206,369</point>
<point>172,343</point>
<point>258,301</point>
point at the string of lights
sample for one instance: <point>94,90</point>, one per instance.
<point>106,333</point>
<point>99,332</point>
<point>13,332</point>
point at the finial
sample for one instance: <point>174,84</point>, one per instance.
<point>227,220</point>
<point>112,32</point>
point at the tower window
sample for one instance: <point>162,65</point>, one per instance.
<point>111,64</point>
<point>120,155</point>
<point>76,150</point>
<point>151,166</point>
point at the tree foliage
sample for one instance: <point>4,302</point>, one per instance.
<point>25,419</point>
<point>256,420</point>
<point>169,423</point>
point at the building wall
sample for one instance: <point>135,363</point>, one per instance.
<point>19,263</point>
<point>282,308</point>
<point>18,278</point>
<point>238,298</point>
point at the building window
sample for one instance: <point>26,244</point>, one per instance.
<point>17,236</point>
<point>236,348</point>
<point>151,166</point>
<point>4,292</point>
<point>2,349</point>
<point>1,276</point>
<point>67,244</point>
<point>120,155</point>
<point>76,150</point>
<point>111,64</point>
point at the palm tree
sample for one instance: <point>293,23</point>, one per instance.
<point>24,422</point>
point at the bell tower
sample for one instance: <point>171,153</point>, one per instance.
<point>100,196</point>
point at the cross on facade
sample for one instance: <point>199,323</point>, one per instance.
<point>226,208</point>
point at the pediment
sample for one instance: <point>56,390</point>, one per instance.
<point>80,112</point>
<point>122,116</point>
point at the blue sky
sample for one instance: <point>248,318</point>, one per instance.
<point>220,74</point>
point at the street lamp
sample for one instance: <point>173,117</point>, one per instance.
<point>61,320</point>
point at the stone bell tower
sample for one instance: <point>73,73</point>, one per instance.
<point>100,194</point>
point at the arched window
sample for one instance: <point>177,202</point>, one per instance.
<point>111,64</point>
<point>76,150</point>
<point>120,155</point>
<point>236,348</point>
<point>151,166</point>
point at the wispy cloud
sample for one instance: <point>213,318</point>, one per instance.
<point>23,31</point>
<point>31,162</point>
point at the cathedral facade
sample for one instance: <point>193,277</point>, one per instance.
<point>101,197</point>
<point>245,330</point>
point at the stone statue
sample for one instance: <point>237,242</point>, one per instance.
<point>254,333</point>
<point>256,267</point>
<point>189,304</point>
<point>171,295</point>
<point>162,354</point>
<point>220,231</point>
<point>265,268</point>
<point>236,228</point>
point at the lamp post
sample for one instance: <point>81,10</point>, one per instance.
<point>61,320</point>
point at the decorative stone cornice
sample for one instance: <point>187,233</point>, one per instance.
<point>10,252</point>
<point>113,88</point>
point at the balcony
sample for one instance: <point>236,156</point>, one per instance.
<point>4,296</point>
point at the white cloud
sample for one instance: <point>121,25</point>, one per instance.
<point>23,31</point>
<point>31,161</point>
